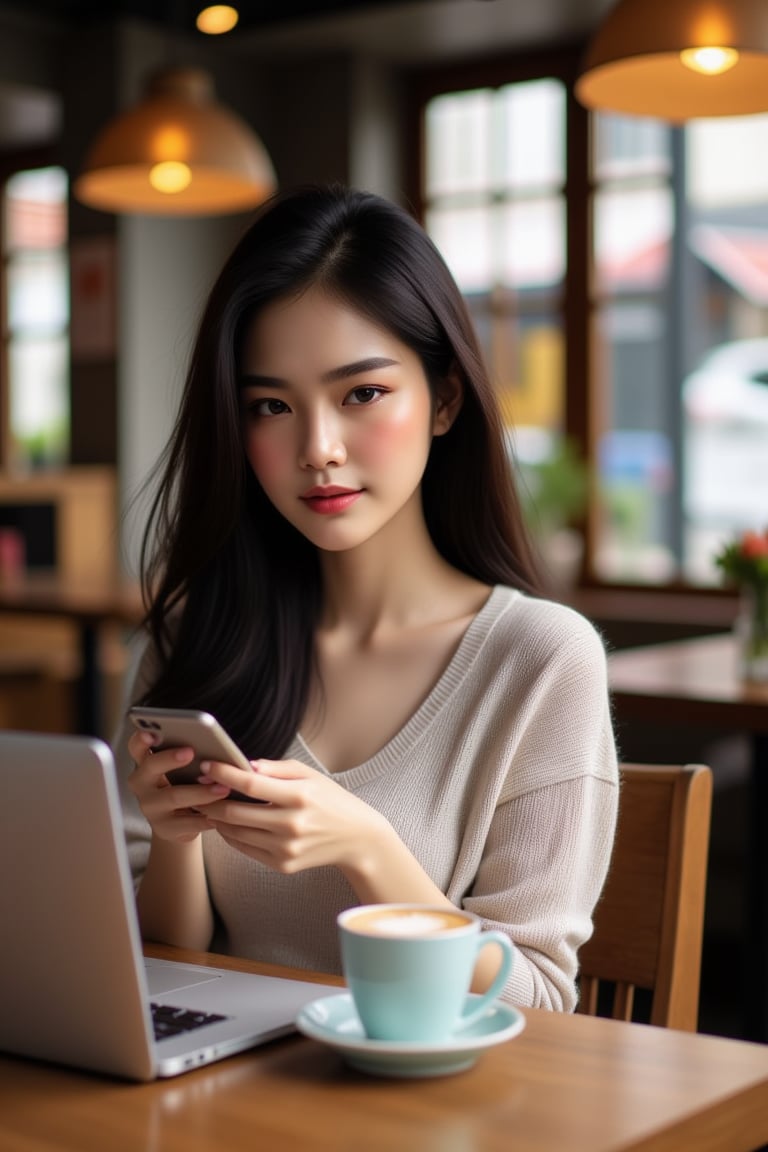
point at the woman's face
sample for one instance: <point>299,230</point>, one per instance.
<point>337,417</point>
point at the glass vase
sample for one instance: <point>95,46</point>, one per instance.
<point>752,633</point>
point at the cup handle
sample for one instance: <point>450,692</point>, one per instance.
<point>481,1006</point>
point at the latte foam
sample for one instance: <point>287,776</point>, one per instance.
<point>404,922</point>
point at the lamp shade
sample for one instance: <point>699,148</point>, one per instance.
<point>634,65</point>
<point>177,153</point>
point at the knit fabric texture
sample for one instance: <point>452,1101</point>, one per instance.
<point>503,784</point>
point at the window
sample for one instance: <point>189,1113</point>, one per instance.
<point>633,225</point>
<point>495,205</point>
<point>36,319</point>
<point>680,328</point>
<point>617,272</point>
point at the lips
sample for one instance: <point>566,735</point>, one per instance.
<point>330,500</point>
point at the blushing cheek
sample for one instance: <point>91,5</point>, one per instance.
<point>267,459</point>
<point>389,439</point>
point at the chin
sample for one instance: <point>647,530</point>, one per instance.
<point>339,538</point>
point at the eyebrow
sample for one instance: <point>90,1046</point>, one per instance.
<point>344,372</point>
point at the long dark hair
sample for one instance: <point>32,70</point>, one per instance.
<point>233,590</point>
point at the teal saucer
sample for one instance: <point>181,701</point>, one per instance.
<point>333,1020</point>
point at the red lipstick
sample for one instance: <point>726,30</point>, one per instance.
<point>330,500</point>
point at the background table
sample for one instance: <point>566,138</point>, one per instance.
<point>89,606</point>
<point>566,1084</point>
<point>696,683</point>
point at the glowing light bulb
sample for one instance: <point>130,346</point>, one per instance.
<point>216,19</point>
<point>170,176</point>
<point>709,61</point>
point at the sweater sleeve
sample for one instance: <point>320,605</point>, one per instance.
<point>547,848</point>
<point>542,892</point>
<point>138,832</point>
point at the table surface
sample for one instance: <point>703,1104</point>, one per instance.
<point>566,1083</point>
<point>688,681</point>
<point>47,594</point>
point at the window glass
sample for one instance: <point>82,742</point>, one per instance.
<point>724,162</point>
<point>532,151</point>
<point>495,206</point>
<point>635,455</point>
<point>35,209</point>
<point>632,232</point>
<point>633,223</point>
<point>460,133</point>
<point>40,413</point>
<point>36,317</point>
<point>725,377</point>
<point>38,291</point>
<point>630,146</point>
<point>532,243</point>
<point>680,326</point>
<point>465,237</point>
<point>674,372</point>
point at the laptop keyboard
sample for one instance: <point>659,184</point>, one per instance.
<point>169,1021</point>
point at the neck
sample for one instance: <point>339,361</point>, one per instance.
<point>396,579</point>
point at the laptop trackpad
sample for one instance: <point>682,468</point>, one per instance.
<point>165,976</point>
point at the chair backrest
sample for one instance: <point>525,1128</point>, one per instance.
<point>649,921</point>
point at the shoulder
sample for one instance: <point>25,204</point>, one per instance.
<point>544,631</point>
<point>550,685</point>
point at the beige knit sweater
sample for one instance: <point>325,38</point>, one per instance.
<point>503,785</point>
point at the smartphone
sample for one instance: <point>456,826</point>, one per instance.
<point>182,727</point>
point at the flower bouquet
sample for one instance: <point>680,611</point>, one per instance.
<point>744,563</point>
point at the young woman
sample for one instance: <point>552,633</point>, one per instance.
<point>336,567</point>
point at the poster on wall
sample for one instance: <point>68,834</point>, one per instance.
<point>93,319</point>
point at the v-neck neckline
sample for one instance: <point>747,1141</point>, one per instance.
<point>446,684</point>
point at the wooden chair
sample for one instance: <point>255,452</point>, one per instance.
<point>649,922</point>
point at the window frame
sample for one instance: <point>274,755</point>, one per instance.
<point>584,405</point>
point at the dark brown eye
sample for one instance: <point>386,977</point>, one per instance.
<point>268,407</point>
<point>364,394</point>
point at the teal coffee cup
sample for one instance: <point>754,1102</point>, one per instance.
<point>409,968</point>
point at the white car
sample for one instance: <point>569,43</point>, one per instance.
<point>725,403</point>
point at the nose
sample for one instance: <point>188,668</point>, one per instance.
<point>322,443</point>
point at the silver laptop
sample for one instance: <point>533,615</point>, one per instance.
<point>74,986</point>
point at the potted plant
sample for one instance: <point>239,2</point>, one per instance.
<point>555,491</point>
<point>744,563</point>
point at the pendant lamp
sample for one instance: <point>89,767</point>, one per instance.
<point>177,153</point>
<point>679,59</point>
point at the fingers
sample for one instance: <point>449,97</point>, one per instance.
<point>272,781</point>
<point>173,810</point>
<point>283,769</point>
<point>152,766</point>
<point>250,784</point>
<point>139,744</point>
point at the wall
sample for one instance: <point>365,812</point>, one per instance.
<point>167,267</point>
<point>30,51</point>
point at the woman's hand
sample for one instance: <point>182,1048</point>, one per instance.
<point>310,821</point>
<point>174,812</point>
<point>307,821</point>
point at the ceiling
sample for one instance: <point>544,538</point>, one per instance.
<point>395,29</point>
<point>181,13</point>
<point>403,32</point>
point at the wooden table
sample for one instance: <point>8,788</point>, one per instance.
<point>688,682</point>
<point>89,607</point>
<point>696,683</point>
<point>566,1084</point>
